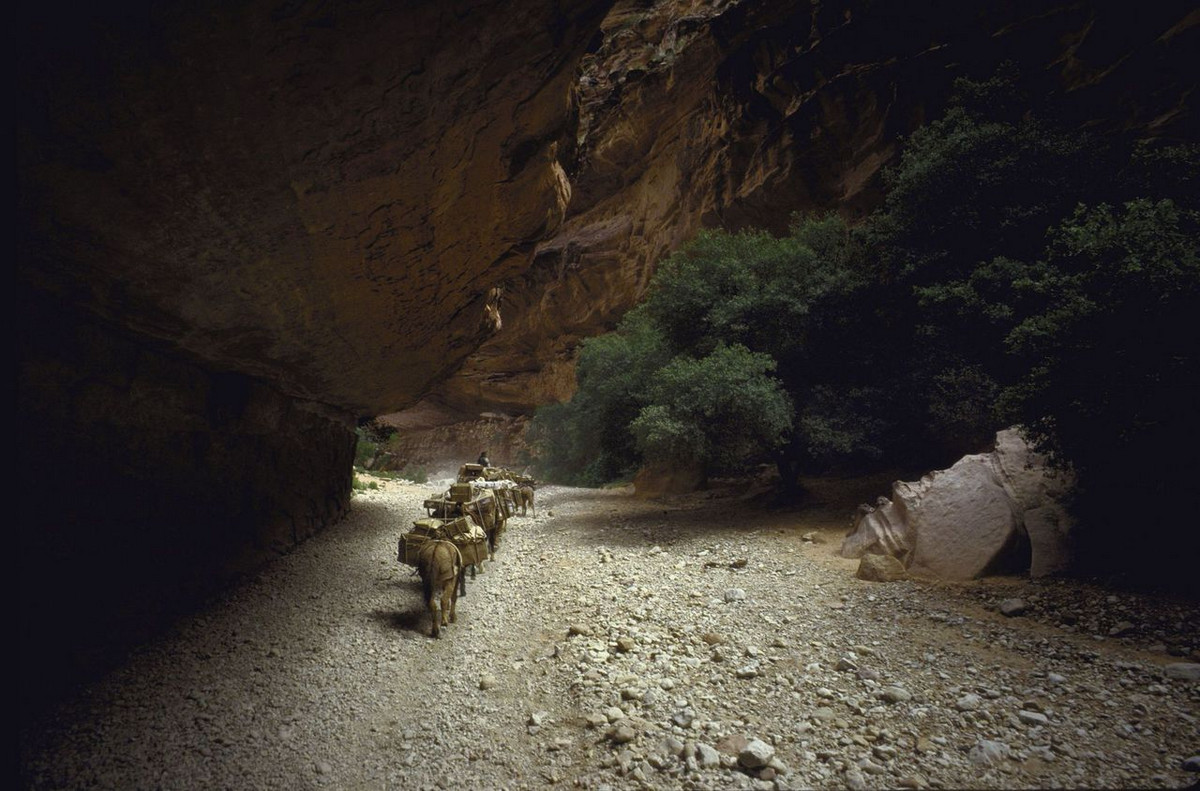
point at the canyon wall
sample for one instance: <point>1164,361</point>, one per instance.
<point>242,227</point>
<point>723,114</point>
<point>440,447</point>
<point>148,482</point>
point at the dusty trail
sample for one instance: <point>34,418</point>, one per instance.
<point>629,644</point>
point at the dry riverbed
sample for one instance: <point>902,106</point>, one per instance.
<point>623,644</point>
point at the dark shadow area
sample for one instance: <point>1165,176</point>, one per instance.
<point>152,484</point>
<point>403,620</point>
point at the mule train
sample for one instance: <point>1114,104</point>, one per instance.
<point>462,530</point>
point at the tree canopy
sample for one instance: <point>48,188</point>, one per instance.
<point>1018,271</point>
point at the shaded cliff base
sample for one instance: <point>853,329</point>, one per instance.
<point>147,483</point>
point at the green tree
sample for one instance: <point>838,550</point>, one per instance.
<point>720,410</point>
<point>586,441</point>
<point>1111,364</point>
<point>747,348</point>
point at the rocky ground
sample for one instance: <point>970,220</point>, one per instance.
<point>625,644</point>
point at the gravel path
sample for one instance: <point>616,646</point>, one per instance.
<point>624,644</point>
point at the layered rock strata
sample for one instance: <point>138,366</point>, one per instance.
<point>440,449</point>
<point>239,228</point>
<point>699,114</point>
<point>148,483</point>
<point>325,212</point>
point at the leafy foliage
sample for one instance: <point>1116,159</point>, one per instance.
<point>1111,363</point>
<point>1049,278</point>
<point>587,441</point>
<point>1018,271</point>
<point>364,449</point>
<point>723,408</point>
<point>742,340</point>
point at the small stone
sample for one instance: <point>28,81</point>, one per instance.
<point>987,751</point>
<point>880,568</point>
<point>1121,628</point>
<point>872,768</point>
<point>896,695</point>
<point>884,752</point>
<point>911,781</point>
<point>712,638</point>
<point>537,718</point>
<point>671,746</point>
<point>733,744</point>
<point>706,756</point>
<point>756,754</point>
<point>1055,678</point>
<point>1013,607</point>
<point>1032,717</point>
<point>1191,764</point>
<point>487,681</point>
<point>579,629</point>
<point>614,714</point>
<point>621,734</point>
<point>968,702</point>
<point>595,719</point>
<point>822,714</point>
<point>324,768</point>
<point>749,671</point>
<point>625,644</point>
<point>735,594</point>
<point>1185,671</point>
<point>855,780</point>
<point>844,664</point>
<point>740,563</point>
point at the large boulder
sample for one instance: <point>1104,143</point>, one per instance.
<point>880,568</point>
<point>880,530</point>
<point>1049,530</point>
<point>962,520</point>
<point>975,516</point>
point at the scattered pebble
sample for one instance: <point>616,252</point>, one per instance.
<point>327,654</point>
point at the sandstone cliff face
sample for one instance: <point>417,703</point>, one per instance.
<point>321,197</point>
<point>440,446</point>
<point>240,227</point>
<point>727,114</point>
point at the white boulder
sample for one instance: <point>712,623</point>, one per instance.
<point>958,523</point>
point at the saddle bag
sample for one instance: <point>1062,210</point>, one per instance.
<point>409,546</point>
